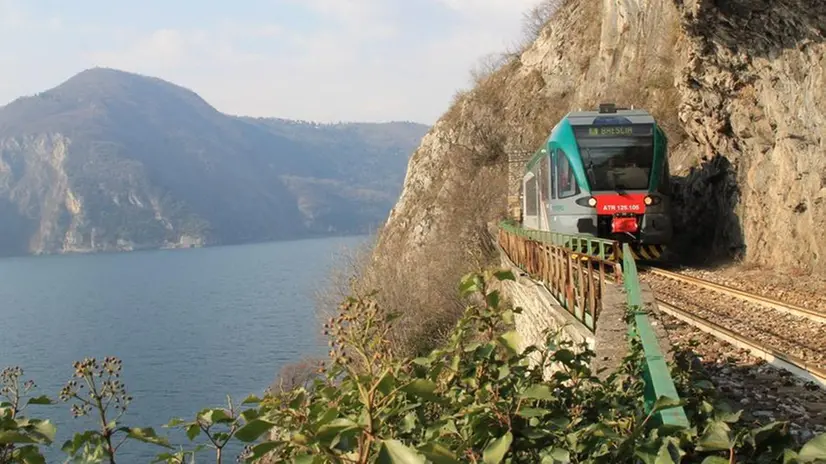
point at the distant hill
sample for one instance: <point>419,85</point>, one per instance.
<point>111,160</point>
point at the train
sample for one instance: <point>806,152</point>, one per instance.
<point>603,173</point>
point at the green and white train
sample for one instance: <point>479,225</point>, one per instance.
<point>605,174</point>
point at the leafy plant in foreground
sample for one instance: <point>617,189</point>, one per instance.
<point>480,398</point>
<point>96,390</point>
<point>20,436</point>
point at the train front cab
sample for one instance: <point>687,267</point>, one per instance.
<point>630,199</point>
<point>626,169</point>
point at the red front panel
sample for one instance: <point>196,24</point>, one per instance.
<point>613,203</point>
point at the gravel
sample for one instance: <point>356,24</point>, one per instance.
<point>764,393</point>
<point>784,332</point>
<point>801,289</point>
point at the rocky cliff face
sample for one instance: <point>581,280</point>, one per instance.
<point>112,161</point>
<point>740,88</point>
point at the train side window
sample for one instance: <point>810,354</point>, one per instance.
<point>552,187</point>
<point>544,176</point>
<point>530,197</point>
<point>566,183</point>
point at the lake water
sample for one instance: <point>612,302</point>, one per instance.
<point>191,326</point>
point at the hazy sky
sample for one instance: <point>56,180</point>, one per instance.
<point>323,60</point>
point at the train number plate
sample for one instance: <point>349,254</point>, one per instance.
<point>615,203</point>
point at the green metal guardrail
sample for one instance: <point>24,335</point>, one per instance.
<point>658,381</point>
<point>592,246</point>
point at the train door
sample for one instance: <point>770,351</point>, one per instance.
<point>543,183</point>
<point>566,213</point>
<point>530,202</point>
<point>552,210</point>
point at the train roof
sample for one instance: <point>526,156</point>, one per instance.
<point>609,114</point>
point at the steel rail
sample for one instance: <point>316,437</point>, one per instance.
<point>757,299</point>
<point>788,362</point>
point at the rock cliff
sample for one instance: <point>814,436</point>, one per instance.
<point>739,86</point>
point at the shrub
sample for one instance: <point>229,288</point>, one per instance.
<point>476,399</point>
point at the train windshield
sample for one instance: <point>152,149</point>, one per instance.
<point>617,157</point>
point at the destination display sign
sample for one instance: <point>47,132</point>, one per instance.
<point>599,131</point>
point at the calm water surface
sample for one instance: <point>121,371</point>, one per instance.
<point>191,326</point>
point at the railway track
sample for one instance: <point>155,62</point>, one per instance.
<point>787,336</point>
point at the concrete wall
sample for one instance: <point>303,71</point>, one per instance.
<point>541,313</point>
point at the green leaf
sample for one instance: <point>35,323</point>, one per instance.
<point>472,346</point>
<point>670,452</point>
<point>252,399</point>
<point>250,414</point>
<point>557,456</point>
<point>729,416</point>
<point>716,437</point>
<point>79,441</point>
<point>330,431</point>
<point>326,418</point>
<point>504,275</point>
<point>409,422</point>
<point>647,452</point>
<point>790,457</point>
<point>193,431</point>
<point>306,459</point>
<point>43,399</point>
<point>46,430</point>
<point>497,449</point>
<point>438,454</point>
<point>261,449</point>
<point>13,436</point>
<point>715,460</point>
<point>29,454</point>
<point>253,429</point>
<point>814,449</point>
<point>215,416</point>
<point>395,452</point>
<point>470,283</point>
<point>422,388</point>
<point>533,412</point>
<point>758,436</point>
<point>387,384</point>
<point>511,341</point>
<point>538,392</point>
<point>665,402</point>
<point>146,435</point>
<point>174,422</point>
<point>564,356</point>
<point>492,299</point>
<point>508,318</point>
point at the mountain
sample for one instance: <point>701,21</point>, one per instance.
<point>111,160</point>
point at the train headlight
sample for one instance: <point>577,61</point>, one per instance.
<point>588,202</point>
<point>648,200</point>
